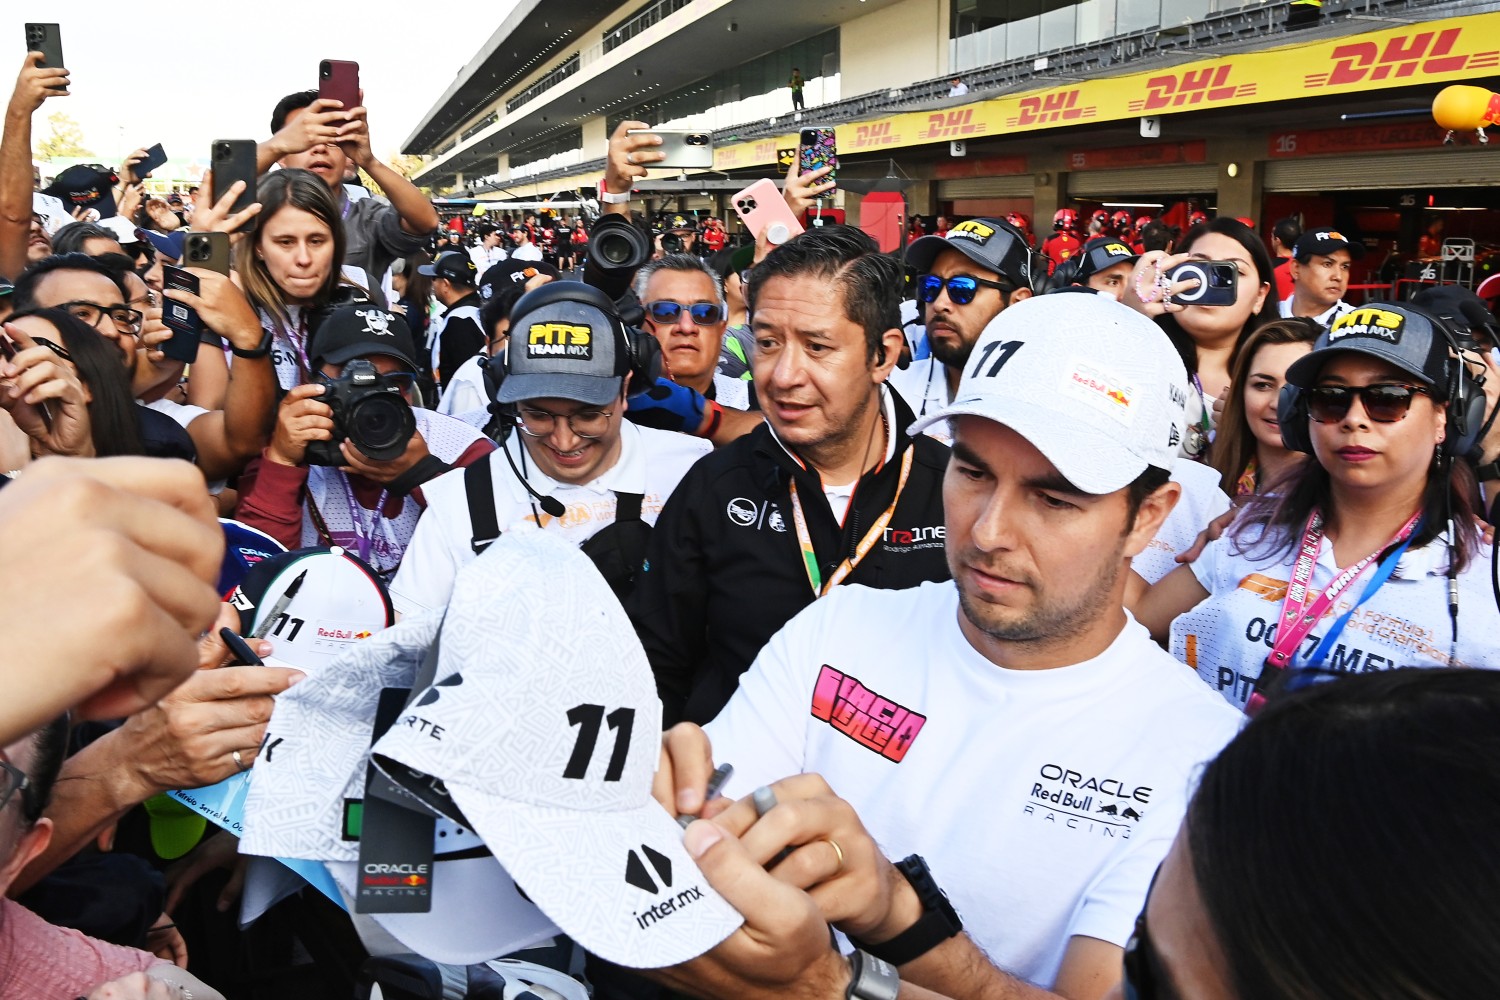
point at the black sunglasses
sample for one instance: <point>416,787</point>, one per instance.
<point>1383,403</point>
<point>961,287</point>
<point>1144,977</point>
<point>703,313</point>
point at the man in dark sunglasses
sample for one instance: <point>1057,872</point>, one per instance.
<point>963,280</point>
<point>686,312</point>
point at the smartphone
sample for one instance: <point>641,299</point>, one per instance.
<point>8,350</point>
<point>684,148</point>
<point>817,150</point>
<point>762,209</point>
<point>155,157</point>
<point>183,319</point>
<point>338,80</point>
<point>234,160</point>
<point>46,39</point>
<point>1218,282</point>
<point>207,250</point>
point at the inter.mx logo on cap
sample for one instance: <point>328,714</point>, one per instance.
<point>637,875</point>
<point>1379,324</point>
<point>560,340</point>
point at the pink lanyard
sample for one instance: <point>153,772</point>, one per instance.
<point>1297,617</point>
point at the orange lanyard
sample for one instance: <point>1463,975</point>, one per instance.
<point>804,539</point>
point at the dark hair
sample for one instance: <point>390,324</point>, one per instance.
<point>72,237</point>
<point>850,259</point>
<point>498,306</point>
<point>291,102</point>
<point>24,297</point>
<point>1234,442</point>
<point>1313,847</point>
<point>50,744</point>
<point>1270,309</point>
<point>114,424</point>
<point>1156,235</point>
<point>1140,488</point>
<point>1287,231</point>
<point>290,188</point>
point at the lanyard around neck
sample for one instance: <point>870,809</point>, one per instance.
<point>1299,614</point>
<point>877,530</point>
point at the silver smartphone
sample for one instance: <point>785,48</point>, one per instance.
<point>685,148</point>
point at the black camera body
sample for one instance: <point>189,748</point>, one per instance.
<point>369,412</point>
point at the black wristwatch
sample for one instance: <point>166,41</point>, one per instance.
<point>939,920</point>
<point>260,351</point>
<point>871,978</point>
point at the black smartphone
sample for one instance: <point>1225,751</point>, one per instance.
<point>155,157</point>
<point>46,39</point>
<point>1218,282</point>
<point>206,250</point>
<point>338,80</point>
<point>180,317</point>
<point>234,160</point>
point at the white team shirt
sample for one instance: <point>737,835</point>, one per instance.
<point>182,413</point>
<point>1202,500</point>
<point>924,386</point>
<point>1043,800</point>
<point>731,393</point>
<point>1405,623</point>
<point>651,463</point>
<point>485,258</point>
<point>527,251</point>
<point>466,395</point>
<point>1324,319</point>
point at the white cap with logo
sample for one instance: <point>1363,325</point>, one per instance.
<point>1093,385</point>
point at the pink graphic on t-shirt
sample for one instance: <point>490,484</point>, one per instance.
<point>873,722</point>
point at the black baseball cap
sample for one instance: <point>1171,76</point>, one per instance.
<point>512,272</point>
<point>990,243</point>
<point>1102,253</point>
<point>1396,333</point>
<point>360,330</point>
<point>1322,242</point>
<point>455,265</point>
<point>86,185</point>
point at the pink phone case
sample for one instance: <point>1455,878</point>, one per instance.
<point>760,206</point>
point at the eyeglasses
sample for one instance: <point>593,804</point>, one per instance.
<point>703,313</point>
<point>1144,977</point>
<point>961,287</point>
<point>126,319</point>
<point>1383,403</point>
<point>54,348</point>
<point>12,780</point>
<point>589,424</point>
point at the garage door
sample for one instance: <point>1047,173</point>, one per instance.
<point>1014,186</point>
<point>1438,168</point>
<point>1201,178</point>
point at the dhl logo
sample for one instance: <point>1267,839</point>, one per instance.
<point>1048,108</point>
<point>978,229</point>
<point>1402,56</point>
<point>874,135</point>
<point>558,333</point>
<point>765,151</point>
<point>953,123</point>
<point>1195,86</point>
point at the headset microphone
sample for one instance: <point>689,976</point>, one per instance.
<point>550,505</point>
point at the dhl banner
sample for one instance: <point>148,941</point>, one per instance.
<point>1448,50</point>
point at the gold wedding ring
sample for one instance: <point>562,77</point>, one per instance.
<point>837,851</point>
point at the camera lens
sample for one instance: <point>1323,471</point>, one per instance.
<point>222,150</point>
<point>380,425</point>
<point>671,243</point>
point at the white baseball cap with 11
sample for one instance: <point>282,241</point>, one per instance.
<point>1092,384</point>
<point>544,725</point>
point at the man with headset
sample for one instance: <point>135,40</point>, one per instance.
<point>574,465</point>
<point>829,489</point>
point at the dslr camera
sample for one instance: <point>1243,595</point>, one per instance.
<point>369,412</point>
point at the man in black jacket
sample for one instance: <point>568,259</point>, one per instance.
<point>456,336</point>
<point>830,490</point>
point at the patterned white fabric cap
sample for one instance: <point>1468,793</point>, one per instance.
<point>545,727</point>
<point>1093,385</point>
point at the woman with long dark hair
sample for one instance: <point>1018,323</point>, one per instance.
<point>51,399</point>
<point>1208,337</point>
<point>1248,451</point>
<point>1365,559</point>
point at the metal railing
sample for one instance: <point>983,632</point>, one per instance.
<point>546,82</point>
<point>640,21</point>
<point>479,126</point>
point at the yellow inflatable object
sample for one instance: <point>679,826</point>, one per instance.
<point>478,210</point>
<point>1463,109</point>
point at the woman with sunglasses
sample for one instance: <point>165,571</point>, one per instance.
<point>1365,559</point>
<point>1207,337</point>
<point>1284,884</point>
<point>1248,451</point>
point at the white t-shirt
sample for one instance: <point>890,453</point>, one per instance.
<point>731,393</point>
<point>485,257</point>
<point>651,463</point>
<point>466,393</point>
<point>182,413</point>
<point>1043,800</point>
<point>1324,319</point>
<point>924,386</point>
<point>1405,623</point>
<point>1202,500</point>
<point>527,251</point>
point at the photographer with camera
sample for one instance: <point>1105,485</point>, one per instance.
<point>349,454</point>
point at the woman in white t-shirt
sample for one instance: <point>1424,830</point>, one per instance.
<point>1362,562</point>
<point>1248,451</point>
